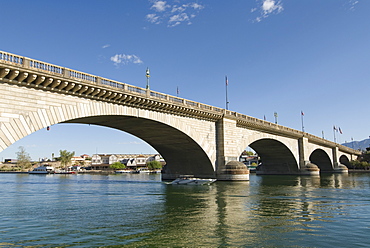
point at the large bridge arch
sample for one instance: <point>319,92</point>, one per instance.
<point>320,158</point>
<point>275,156</point>
<point>182,153</point>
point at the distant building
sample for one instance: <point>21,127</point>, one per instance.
<point>83,160</point>
<point>132,161</point>
<point>10,161</point>
<point>249,159</point>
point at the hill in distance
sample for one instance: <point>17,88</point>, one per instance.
<point>358,145</point>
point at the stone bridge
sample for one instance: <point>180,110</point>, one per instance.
<point>194,138</point>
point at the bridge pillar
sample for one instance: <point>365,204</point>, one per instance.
<point>338,167</point>
<point>305,165</point>
<point>228,168</point>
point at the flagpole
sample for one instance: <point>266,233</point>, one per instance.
<point>227,101</point>
<point>302,114</point>
<point>334,128</point>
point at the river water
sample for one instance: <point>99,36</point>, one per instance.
<point>135,210</point>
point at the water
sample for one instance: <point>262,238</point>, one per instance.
<point>134,210</point>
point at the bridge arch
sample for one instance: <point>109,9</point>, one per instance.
<point>275,156</point>
<point>183,155</point>
<point>344,160</point>
<point>320,158</point>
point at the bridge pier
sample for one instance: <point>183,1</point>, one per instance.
<point>228,168</point>
<point>337,166</point>
<point>306,167</point>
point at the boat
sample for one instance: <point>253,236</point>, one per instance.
<point>123,171</point>
<point>143,170</point>
<point>43,169</point>
<point>190,180</point>
<point>252,168</point>
<point>64,172</point>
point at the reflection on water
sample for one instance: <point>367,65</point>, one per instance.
<point>141,211</point>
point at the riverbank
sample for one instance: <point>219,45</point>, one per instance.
<point>99,172</point>
<point>358,171</point>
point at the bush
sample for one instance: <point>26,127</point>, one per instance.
<point>117,166</point>
<point>359,164</point>
<point>153,165</point>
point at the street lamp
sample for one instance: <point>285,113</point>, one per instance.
<point>276,118</point>
<point>147,78</point>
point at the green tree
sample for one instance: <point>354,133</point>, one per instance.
<point>153,165</point>
<point>65,157</point>
<point>249,153</point>
<point>23,158</point>
<point>117,166</point>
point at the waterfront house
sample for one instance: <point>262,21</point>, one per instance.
<point>132,161</point>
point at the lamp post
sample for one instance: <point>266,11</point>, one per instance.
<point>147,78</point>
<point>276,118</point>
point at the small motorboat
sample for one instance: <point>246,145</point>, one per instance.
<point>44,169</point>
<point>190,180</point>
<point>58,171</point>
<point>123,171</point>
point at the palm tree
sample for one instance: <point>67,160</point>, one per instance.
<point>65,158</point>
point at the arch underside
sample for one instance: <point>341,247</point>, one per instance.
<point>344,160</point>
<point>275,157</point>
<point>181,153</point>
<point>320,158</point>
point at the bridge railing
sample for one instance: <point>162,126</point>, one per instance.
<point>112,83</point>
<point>11,58</point>
<point>60,71</point>
<point>80,75</point>
<point>39,65</point>
<point>158,95</point>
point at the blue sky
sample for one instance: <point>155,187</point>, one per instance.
<point>282,56</point>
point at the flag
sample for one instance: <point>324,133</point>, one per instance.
<point>340,130</point>
<point>177,90</point>
<point>226,81</point>
<point>302,113</point>
<point>264,117</point>
<point>335,129</point>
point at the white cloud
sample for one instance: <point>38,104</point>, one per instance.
<point>178,19</point>
<point>105,46</point>
<point>352,4</point>
<point>153,18</point>
<point>125,59</point>
<point>196,6</point>
<point>172,12</point>
<point>160,6</point>
<point>267,7</point>
<point>176,8</point>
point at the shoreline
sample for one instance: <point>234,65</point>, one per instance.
<point>112,172</point>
